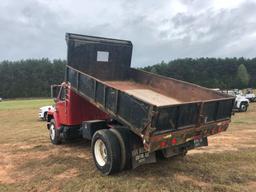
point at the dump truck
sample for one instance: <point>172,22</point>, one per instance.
<point>132,117</point>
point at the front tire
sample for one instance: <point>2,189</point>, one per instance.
<point>54,133</point>
<point>106,152</point>
<point>45,116</point>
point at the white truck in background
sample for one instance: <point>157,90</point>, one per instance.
<point>250,95</point>
<point>241,102</point>
<point>43,111</point>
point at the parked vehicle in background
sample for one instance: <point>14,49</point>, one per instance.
<point>1,99</point>
<point>250,95</point>
<point>215,89</point>
<point>43,111</point>
<point>130,115</point>
<point>241,103</point>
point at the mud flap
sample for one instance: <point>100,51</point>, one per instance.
<point>141,157</point>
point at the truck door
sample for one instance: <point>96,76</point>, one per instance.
<point>61,106</point>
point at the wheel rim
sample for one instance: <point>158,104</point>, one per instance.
<point>243,107</point>
<point>52,132</point>
<point>100,152</point>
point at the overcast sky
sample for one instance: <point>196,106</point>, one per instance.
<point>159,29</point>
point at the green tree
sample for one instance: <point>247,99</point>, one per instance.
<point>30,78</point>
<point>209,72</point>
<point>242,76</point>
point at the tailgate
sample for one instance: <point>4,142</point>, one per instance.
<point>188,115</point>
<point>179,124</point>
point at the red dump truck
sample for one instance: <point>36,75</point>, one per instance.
<point>131,116</point>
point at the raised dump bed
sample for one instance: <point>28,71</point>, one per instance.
<point>148,104</point>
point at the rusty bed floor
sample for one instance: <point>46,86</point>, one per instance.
<point>143,92</point>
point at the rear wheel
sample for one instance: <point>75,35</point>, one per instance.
<point>54,133</point>
<point>124,136</point>
<point>106,152</point>
<point>243,107</point>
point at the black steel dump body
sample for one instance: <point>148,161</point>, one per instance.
<point>99,70</point>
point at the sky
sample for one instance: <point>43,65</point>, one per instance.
<point>160,30</point>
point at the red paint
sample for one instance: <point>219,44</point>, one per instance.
<point>163,144</point>
<point>74,109</point>
<point>174,141</point>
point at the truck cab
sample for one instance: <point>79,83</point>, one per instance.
<point>69,113</point>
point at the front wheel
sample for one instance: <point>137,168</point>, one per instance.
<point>106,152</point>
<point>243,107</point>
<point>45,116</point>
<point>54,133</point>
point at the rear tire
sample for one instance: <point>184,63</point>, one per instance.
<point>106,152</point>
<point>124,136</point>
<point>54,133</point>
<point>243,107</point>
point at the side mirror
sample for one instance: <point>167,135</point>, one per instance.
<point>55,89</point>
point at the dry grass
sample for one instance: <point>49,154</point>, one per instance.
<point>30,163</point>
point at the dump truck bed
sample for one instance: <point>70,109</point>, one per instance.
<point>138,105</point>
<point>99,70</point>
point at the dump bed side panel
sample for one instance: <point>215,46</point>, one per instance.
<point>127,109</point>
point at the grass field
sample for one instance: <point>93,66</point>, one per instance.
<point>24,104</point>
<point>28,162</point>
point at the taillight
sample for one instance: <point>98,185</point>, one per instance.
<point>174,141</point>
<point>163,144</point>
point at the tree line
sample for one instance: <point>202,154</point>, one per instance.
<point>225,73</point>
<point>30,78</point>
<point>33,77</point>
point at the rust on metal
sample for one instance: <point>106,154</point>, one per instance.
<point>183,136</point>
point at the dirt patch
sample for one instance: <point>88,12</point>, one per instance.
<point>4,175</point>
<point>251,186</point>
<point>68,174</point>
<point>185,178</point>
<point>6,167</point>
